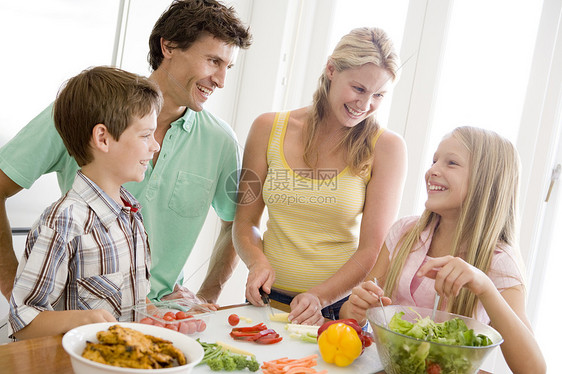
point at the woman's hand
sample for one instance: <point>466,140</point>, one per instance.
<point>306,309</point>
<point>453,273</point>
<point>260,275</point>
<point>366,295</point>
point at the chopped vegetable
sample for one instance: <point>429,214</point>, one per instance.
<point>279,317</point>
<point>234,349</point>
<point>187,325</point>
<point>258,333</point>
<point>451,332</point>
<point>422,358</point>
<point>245,319</point>
<point>221,359</point>
<point>305,333</point>
<point>183,315</point>
<point>292,366</point>
<point>233,319</point>
<point>339,344</point>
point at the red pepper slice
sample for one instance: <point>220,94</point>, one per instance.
<point>243,334</point>
<point>256,328</point>
<point>267,339</point>
<point>249,338</point>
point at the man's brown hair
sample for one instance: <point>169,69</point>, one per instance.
<point>105,95</point>
<point>186,20</point>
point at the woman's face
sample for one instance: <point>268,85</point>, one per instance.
<point>356,93</point>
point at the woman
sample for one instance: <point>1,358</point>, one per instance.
<point>331,179</point>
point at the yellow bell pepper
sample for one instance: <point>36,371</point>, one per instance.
<point>339,344</point>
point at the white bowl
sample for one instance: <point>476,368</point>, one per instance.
<point>74,342</point>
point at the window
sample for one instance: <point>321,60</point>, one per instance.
<point>46,43</point>
<point>485,69</point>
<point>387,15</point>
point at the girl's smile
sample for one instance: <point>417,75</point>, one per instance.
<point>447,178</point>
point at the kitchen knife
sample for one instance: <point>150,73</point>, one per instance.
<point>265,299</point>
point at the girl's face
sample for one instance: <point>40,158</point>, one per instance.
<point>447,178</point>
<point>356,93</point>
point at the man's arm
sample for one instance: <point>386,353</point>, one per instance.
<point>8,260</point>
<point>222,263</point>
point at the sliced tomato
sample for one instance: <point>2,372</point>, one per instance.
<point>183,315</point>
<point>433,368</point>
<point>188,327</point>
<point>201,325</point>
<point>172,326</point>
<point>147,321</point>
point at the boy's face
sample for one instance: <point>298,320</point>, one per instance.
<point>193,74</point>
<point>134,150</point>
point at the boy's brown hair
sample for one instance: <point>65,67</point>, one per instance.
<point>186,20</point>
<point>105,95</point>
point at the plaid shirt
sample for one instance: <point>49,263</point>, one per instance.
<point>85,252</point>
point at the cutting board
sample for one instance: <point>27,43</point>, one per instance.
<point>218,329</point>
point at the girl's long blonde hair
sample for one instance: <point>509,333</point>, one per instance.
<point>488,213</point>
<point>359,47</point>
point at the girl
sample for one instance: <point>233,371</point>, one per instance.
<point>328,173</point>
<point>463,246</point>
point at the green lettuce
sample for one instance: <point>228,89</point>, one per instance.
<point>418,357</point>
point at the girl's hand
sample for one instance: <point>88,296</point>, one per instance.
<point>306,309</point>
<point>453,273</point>
<point>260,275</point>
<point>366,295</point>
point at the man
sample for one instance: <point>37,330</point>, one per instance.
<point>192,46</point>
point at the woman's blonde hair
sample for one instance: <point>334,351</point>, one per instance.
<point>361,46</point>
<point>488,213</point>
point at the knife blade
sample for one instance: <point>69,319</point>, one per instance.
<point>265,299</point>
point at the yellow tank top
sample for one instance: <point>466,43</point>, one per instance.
<point>314,216</point>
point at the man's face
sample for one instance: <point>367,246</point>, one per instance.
<point>194,73</point>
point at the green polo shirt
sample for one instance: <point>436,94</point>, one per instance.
<point>197,168</point>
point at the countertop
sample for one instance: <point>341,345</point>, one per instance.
<point>46,355</point>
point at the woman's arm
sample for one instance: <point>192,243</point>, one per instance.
<point>382,201</point>
<point>246,231</point>
<point>506,310</point>
<point>368,294</point>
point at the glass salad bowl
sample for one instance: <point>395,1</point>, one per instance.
<point>432,351</point>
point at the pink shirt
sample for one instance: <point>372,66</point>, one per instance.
<point>411,290</point>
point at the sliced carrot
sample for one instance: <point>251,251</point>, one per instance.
<point>285,365</point>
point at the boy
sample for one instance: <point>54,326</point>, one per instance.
<point>87,258</point>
